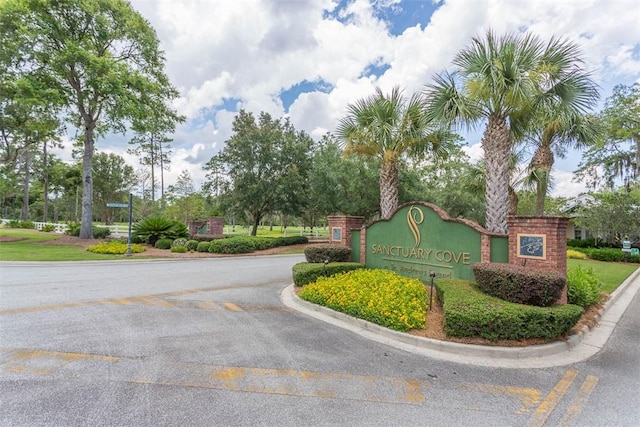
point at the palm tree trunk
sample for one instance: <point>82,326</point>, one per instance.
<point>388,188</point>
<point>542,163</point>
<point>497,142</point>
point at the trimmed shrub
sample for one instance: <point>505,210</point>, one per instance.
<point>115,247</point>
<point>21,224</point>
<point>73,229</point>
<point>320,253</point>
<point>179,249</point>
<point>192,245</point>
<point>518,284</point>
<point>573,254</point>
<point>180,242</point>
<point>163,244</point>
<point>583,287</point>
<point>379,296</point>
<point>610,255</point>
<point>232,245</point>
<point>305,272</point>
<point>582,243</point>
<point>100,232</point>
<point>469,312</point>
<point>203,247</point>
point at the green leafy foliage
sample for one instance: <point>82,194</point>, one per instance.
<point>469,312</point>
<point>21,224</point>
<point>180,242</point>
<point>518,284</point>
<point>203,246</point>
<point>114,247</point>
<point>610,255</point>
<point>163,243</point>
<point>379,296</point>
<point>192,245</point>
<point>73,229</point>
<point>583,287</point>
<point>179,249</point>
<point>232,245</point>
<point>48,228</point>
<point>330,253</point>
<point>153,228</point>
<point>306,272</point>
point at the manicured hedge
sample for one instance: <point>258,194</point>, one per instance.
<point>163,244</point>
<point>332,253</point>
<point>203,247</point>
<point>469,312</point>
<point>232,245</point>
<point>305,272</point>
<point>609,255</point>
<point>519,284</point>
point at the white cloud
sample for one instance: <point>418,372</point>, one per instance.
<point>251,50</point>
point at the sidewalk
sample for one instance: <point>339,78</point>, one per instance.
<point>577,348</point>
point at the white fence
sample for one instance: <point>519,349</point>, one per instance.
<point>116,230</point>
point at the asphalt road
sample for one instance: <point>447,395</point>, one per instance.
<point>208,342</point>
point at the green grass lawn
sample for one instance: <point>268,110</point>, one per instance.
<point>611,274</point>
<point>265,231</point>
<point>30,248</point>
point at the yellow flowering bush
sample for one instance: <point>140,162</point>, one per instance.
<point>576,254</point>
<point>379,296</point>
<point>114,247</point>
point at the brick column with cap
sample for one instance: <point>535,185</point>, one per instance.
<point>548,237</point>
<point>340,227</point>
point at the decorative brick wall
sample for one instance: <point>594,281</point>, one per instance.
<point>528,233</point>
<point>345,224</point>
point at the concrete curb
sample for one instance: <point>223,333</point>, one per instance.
<point>575,349</point>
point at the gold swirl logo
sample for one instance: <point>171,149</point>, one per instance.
<point>415,218</point>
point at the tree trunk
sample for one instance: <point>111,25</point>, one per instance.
<point>24,213</point>
<point>45,196</point>
<point>86,231</point>
<point>388,187</point>
<point>513,201</point>
<point>636,138</point>
<point>497,142</point>
<point>542,163</point>
<point>254,228</point>
<point>153,176</point>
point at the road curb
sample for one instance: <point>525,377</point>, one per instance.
<point>576,348</point>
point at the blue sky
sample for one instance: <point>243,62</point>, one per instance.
<point>308,59</point>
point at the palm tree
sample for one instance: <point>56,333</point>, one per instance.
<point>556,135</point>
<point>505,81</point>
<point>390,127</point>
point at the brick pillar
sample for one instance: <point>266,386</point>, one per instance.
<point>539,242</point>
<point>194,226</point>
<point>216,226</point>
<point>340,227</point>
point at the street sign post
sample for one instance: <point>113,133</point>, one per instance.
<point>130,206</point>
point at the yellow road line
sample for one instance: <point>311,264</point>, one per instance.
<point>290,382</point>
<point>553,398</point>
<point>578,402</point>
<point>231,306</point>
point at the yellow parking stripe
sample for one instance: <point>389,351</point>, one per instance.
<point>553,398</point>
<point>578,402</point>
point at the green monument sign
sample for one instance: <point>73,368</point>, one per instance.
<point>420,238</point>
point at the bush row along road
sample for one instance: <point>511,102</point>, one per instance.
<point>207,342</point>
